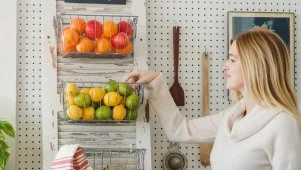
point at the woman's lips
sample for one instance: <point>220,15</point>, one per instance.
<point>227,75</point>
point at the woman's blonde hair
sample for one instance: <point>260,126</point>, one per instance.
<point>266,69</point>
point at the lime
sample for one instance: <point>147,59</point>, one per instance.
<point>103,113</point>
<point>111,86</point>
<point>131,114</point>
<point>132,101</point>
<point>82,100</point>
<point>124,89</point>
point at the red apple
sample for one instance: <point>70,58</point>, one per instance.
<point>125,27</point>
<point>93,29</point>
<point>120,40</point>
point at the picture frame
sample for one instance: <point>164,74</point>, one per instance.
<point>282,23</point>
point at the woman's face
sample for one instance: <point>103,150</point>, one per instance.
<point>232,70</point>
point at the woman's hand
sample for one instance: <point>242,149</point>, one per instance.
<point>141,77</point>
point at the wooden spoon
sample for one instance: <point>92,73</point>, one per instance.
<point>176,90</point>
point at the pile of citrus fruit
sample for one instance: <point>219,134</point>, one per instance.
<point>100,37</point>
<point>114,101</point>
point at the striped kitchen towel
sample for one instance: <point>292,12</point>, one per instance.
<point>70,157</point>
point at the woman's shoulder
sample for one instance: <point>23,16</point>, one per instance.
<point>286,122</point>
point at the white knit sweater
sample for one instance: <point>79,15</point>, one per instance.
<point>265,139</point>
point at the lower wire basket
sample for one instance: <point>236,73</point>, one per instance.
<point>116,159</point>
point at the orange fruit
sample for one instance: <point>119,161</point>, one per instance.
<point>85,45</point>
<point>119,112</point>
<point>89,113</point>
<point>70,36</point>
<point>104,45</point>
<point>128,49</point>
<point>79,25</point>
<point>109,28</point>
<point>67,47</point>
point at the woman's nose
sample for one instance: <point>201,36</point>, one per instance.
<point>225,67</point>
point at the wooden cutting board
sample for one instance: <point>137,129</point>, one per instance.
<point>205,149</point>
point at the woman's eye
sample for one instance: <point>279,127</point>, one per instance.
<point>232,60</point>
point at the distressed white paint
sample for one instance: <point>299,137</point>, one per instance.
<point>8,56</point>
<point>50,97</point>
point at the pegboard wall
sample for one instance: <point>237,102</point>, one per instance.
<point>29,58</point>
<point>203,23</point>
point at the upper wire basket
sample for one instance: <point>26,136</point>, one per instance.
<point>103,102</point>
<point>96,36</point>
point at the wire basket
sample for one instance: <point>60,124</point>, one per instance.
<point>96,36</point>
<point>104,102</point>
<point>116,159</point>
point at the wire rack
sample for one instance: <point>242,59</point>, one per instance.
<point>116,159</point>
<point>80,88</point>
<point>95,36</point>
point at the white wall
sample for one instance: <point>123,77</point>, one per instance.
<point>8,28</point>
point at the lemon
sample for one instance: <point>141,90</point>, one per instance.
<point>85,90</point>
<point>69,100</point>
<point>97,94</point>
<point>71,89</point>
<point>89,113</point>
<point>74,112</point>
<point>112,99</point>
<point>119,112</point>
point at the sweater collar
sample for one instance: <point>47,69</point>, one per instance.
<point>238,128</point>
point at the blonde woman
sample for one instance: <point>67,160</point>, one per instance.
<point>261,131</point>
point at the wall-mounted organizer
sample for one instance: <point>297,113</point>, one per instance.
<point>86,55</point>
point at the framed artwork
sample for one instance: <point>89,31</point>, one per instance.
<point>281,23</point>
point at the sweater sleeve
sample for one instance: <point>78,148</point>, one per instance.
<point>176,127</point>
<point>287,145</point>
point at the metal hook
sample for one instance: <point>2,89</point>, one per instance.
<point>174,23</point>
<point>206,52</point>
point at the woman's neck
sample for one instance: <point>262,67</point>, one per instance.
<point>250,103</point>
